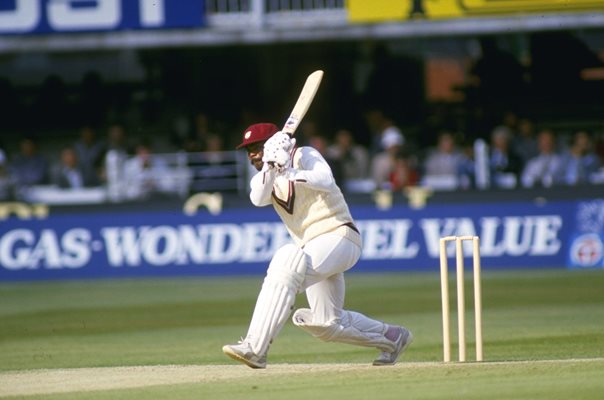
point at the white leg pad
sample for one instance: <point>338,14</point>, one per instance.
<point>352,328</point>
<point>284,278</point>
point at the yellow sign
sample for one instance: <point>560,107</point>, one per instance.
<point>383,10</point>
<point>377,10</point>
<point>520,6</point>
<point>23,210</point>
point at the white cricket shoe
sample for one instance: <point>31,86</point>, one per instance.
<point>242,351</point>
<point>404,340</point>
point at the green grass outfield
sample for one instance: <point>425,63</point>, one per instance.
<point>154,338</point>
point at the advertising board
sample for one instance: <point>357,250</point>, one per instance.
<point>237,241</point>
<point>64,16</point>
<point>363,11</point>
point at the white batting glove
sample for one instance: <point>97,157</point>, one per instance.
<point>281,140</point>
<point>276,157</point>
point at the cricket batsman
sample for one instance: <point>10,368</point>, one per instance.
<point>299,184</point>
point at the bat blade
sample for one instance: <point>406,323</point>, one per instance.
<point>304,101</point>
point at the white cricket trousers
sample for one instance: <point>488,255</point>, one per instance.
<point>329,255</point>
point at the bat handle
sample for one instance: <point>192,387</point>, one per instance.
<point>288,132</point>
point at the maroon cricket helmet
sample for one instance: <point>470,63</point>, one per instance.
<point>257,133</point>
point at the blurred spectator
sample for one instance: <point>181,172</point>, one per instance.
<point>380,126</point>
<point>510,120</point>
<point>117,149</point>
<point>192,145</point>
<point>467,171</point>
<point>68,174</point>
<point>214,146</point>
<point>541,169</point>
<point>202,128</point>
<point>28,167</point>
<point>383,163</point>
<point>89,151</point>
<point>117,140</point>
<point>196,140</point>
<point>404,172</point>
<point>579,162</point>
<point>523,142</point>
<point>446,166</point>
<point>180,128</point>
<point>352,157</point>
<point>212,169</point>
<point>505,165</point>
<point>146,174</point>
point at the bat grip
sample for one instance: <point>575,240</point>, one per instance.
<point>288,132</point>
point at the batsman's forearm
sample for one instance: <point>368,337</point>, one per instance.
<point>262,186</point>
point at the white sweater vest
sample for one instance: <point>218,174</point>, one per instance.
<point>306,211</point>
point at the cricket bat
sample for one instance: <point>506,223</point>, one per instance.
<point>304,100</point>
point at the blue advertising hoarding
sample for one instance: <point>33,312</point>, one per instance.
<point>586,244</point>
<point>63,16</point>
<point>237,241</point>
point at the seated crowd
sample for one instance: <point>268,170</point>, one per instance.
<point>515,156</point>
